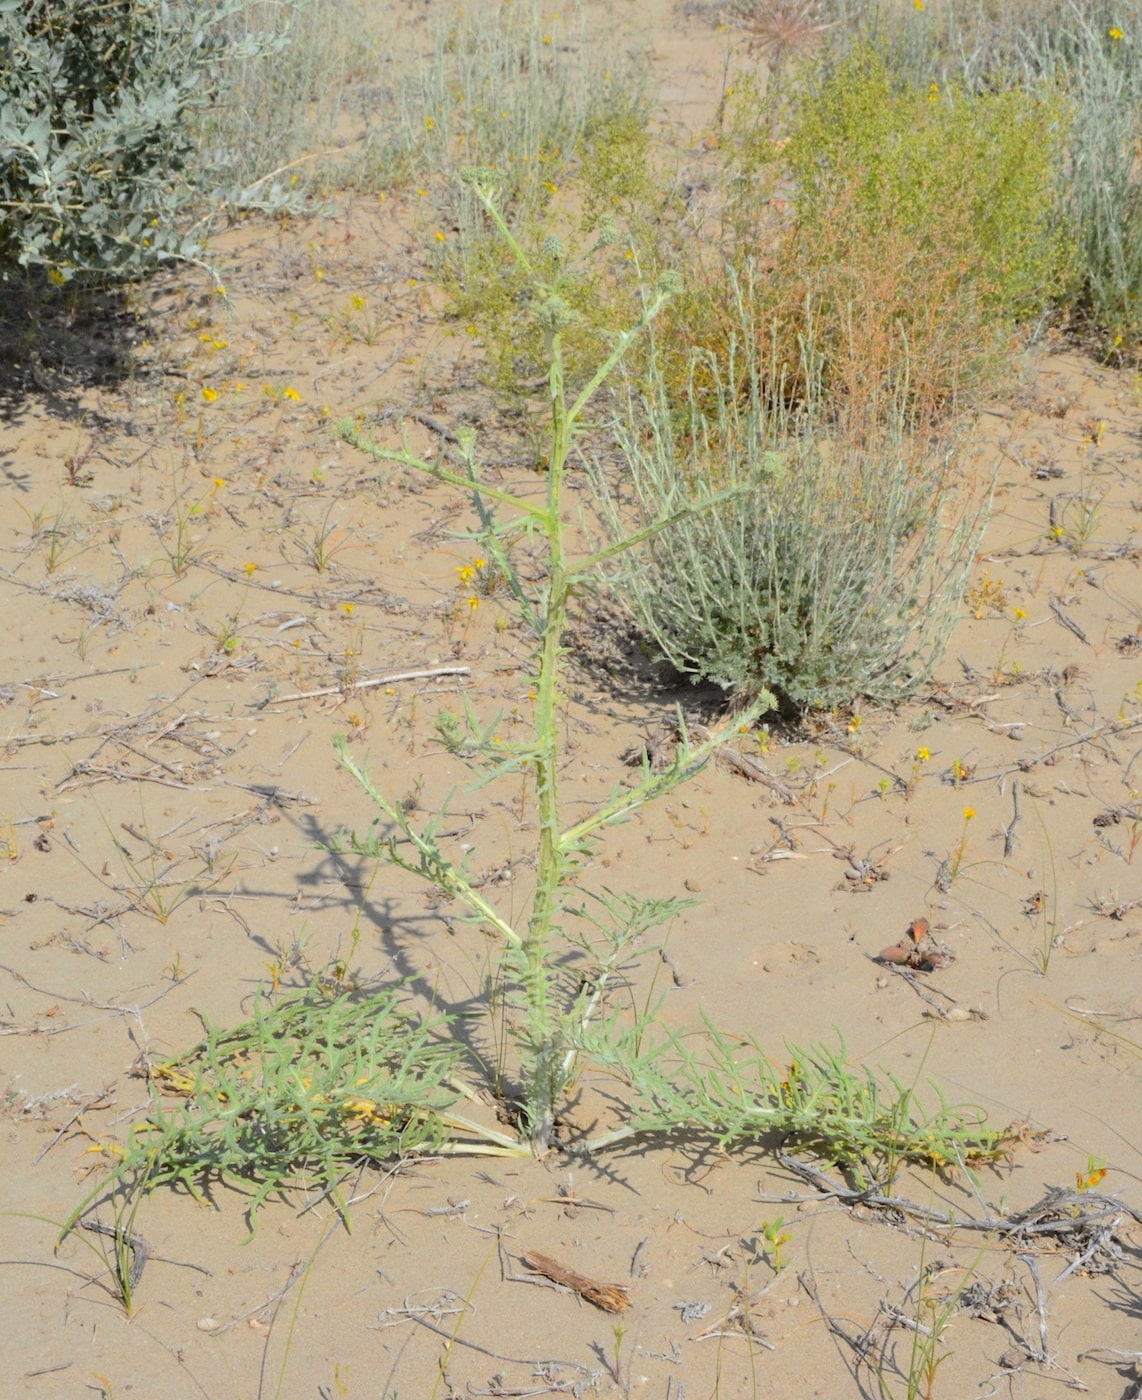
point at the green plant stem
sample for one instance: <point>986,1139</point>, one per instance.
<point>543,1087</point>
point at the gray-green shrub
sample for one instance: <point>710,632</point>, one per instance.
<point>95,147</point>
<point>834,565</point>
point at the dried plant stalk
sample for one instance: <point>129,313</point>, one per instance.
<point>611,1297</point>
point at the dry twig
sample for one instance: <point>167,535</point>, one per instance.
<point>611,1297</point>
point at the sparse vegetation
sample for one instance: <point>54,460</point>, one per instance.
<point>808,391</point>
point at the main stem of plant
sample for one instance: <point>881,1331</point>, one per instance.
<point>543,1089</point>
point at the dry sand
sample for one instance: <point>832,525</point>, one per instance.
<point>167,803</point>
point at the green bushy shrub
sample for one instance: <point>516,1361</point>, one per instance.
<point>1089,50</point>
<point>95,99</point>
<point>902,231</point>
<point>914,160</point>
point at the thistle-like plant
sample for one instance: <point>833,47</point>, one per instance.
<point>322,1080</point>
<point>555,1019</point>
<point>707,1083</point>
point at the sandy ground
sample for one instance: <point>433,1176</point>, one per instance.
<point>168,795</point>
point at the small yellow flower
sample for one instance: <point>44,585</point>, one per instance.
<point>1019,614</point>
<point>547,38</point>
<point>423,193</point>
<point>466,572</point>
<point>969,812</point>
<point>473,603</point>
<point>56,276</point>
<point>249,568</point>
<point>480,563</point>
<point>319,273</point>
<point>219,482</point>
<point>429,124</point>
<point>918,5</point>
<point>347,609</point>
<point>551,185</point>
<point>358,302</point>
<point>220,291</point>
<point>438,236</point>
<point>924,754</point>
<point>220,344</point>
<point>1116,34</point>
<point>209,394</point>
<point>291,394</point>
<point>412,282</point>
